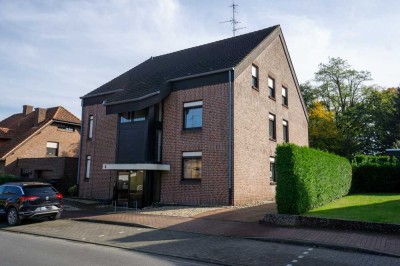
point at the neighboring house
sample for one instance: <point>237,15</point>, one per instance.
<point>197,126</point>
<point>41,144</point>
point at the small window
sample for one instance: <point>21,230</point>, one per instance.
<point>90,129</point>
<point>254,75</point>
<point>191,164</point>
<point>159,145</point>
<point>284,96</point>
<point>66,128</point>
<point>285,125</point>
<point>193,115</point>
<point>271,87</point>
<point>272,127</point>
<point>88,166</point>
<point>135,116</point>
<point>52,149</point>
<point>272,172</point>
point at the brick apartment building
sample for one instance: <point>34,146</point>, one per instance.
<point>197,126</point>
<point>41,144</point>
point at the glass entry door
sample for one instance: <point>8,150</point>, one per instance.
<point>130,186</point>
<point>136,184</point>
<point>123,189</point>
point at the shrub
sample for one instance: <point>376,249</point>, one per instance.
<point>375,174</point>
<point>73,190</point>
<point>309,178</point>
<point>4,178</point>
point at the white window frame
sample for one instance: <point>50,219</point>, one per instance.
<point>91,124</point>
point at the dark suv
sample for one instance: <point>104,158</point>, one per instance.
<point>29,199</point>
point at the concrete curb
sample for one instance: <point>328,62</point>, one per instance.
<point>324,245</point>
<point>120,247</point>
<point>264,239</point>
<point>289,220</point>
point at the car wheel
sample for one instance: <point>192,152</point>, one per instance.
<point>55,217</point>
<point>13,217</point>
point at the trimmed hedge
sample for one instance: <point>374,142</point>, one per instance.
<point>4,178</point>
<point>375,174</point>
<point>309,178</point>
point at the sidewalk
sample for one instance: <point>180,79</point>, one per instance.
<point>353,240</point>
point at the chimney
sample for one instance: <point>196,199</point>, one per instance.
<point>27,109</point>
<point>40,115</point>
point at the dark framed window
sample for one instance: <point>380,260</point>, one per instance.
<point>254,76</point>
<point>193,115</point>
<point>285,126</point>
<point>66,128</point>
<point>272,127</point>
<point>136,116</point>
<point>284,96</point>
<point>90,126</point>
<point>271,87</point>
<point>191,165</point>
<point>52,149</point>
<point>272,171</point>
<point>88,166</point>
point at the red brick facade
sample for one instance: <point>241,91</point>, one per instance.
<point>252,146</point>
<point>211,140</point>
<point>101,147</point>
<point>35,147</point>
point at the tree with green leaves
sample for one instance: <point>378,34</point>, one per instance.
<point>339,85</point>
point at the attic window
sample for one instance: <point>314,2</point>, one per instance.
<point>254,76</point>
<point>52,149</point>
<point>66,128</point>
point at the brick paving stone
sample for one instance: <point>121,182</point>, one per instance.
<point>385,243</point>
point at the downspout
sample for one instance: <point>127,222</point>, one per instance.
<point>230,158</point>
<point>80,149</point>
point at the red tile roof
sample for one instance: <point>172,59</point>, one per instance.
<point>19,127</point>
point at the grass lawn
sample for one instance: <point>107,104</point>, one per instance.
<point>384,208</point>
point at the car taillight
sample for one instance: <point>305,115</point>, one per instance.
<point>27,198</point>
<point>59,196</point>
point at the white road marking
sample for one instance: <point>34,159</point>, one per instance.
<point>300,257</point>
<point>294,261</point>
<point>101,235</point>
<point>305,252</point>
<point>310,249</point>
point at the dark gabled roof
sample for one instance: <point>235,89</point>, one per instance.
<point>17,128</point>
<point>150,76</point>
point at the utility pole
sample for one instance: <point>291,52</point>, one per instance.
<point>233,20</point>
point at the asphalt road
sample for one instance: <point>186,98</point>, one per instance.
<point>21,249</point>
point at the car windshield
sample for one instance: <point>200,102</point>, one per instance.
<point>40,189</point>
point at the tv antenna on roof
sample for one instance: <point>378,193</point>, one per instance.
<point>233,20</point>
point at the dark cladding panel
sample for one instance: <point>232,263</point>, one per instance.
<point>132,142</point>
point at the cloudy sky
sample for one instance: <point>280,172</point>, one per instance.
<point>52,52</point>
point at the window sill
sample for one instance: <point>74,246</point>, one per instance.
<point>272,98</point>
<point>284,105</point>
<point>255,88</point>
<point>190,181</point>
<point>192,130</point>
<point>271,139</point>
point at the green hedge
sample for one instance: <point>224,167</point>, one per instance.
<point>309,178</point>
<point>4,178</point>
<point>375,174</point>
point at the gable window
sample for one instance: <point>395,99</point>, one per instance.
<point>272,172</point>
<point>193,115</point>
<point>272,127</point>
<point>88,166</point>
<point>254,76</point>
<point>191,165</point>
<point>52,149</point>
<point>90,128</point>
<point>66,128</point>
<point>271,87</point>
<point>135,116</point>
<point>284,96</point>
<point>285,125</point>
